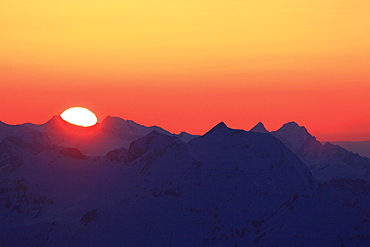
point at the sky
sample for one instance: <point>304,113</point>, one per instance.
<point>187,65</point>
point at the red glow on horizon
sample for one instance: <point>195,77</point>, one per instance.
<point>336,116</point>
<point>189,65</point>
<point>74,131</point>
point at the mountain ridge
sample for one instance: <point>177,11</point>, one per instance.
<point>226,188</point>
<point>326,162</point>
<point>112,133</point>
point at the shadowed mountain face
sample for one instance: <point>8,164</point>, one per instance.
<point>226,188</point>
<point>362,148</point>
<point>326,162</point>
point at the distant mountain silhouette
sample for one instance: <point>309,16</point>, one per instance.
<point>361,147</point>
<point>326,162</point>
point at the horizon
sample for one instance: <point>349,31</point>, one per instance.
<point>177,133</point>
<point>185,66</point>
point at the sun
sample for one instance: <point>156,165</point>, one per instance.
<point>79,116</point>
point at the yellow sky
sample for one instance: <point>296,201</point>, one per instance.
<point>124,38</point>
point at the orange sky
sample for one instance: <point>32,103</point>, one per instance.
<point>187,65</point>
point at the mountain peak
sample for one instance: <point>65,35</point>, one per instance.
<point>53,123</point>
<point>291,124</point>
<point>53,120</point>
<point>260,128</point>
<point>220,125</point>
<point>293,136</point>
<point>218,129</point>
<point>293,127</point>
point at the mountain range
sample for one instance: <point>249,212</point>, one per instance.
<point>123,184</point>
<point>360,147</point>
<point>325,161</point>
<point>111,133</point>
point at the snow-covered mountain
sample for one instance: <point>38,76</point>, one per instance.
<point>111,133</point>
<point>326,161</point>
<point>226,188</point>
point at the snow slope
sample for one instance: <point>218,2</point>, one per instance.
<point>226,188</point>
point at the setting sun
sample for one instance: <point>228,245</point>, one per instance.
<point>79,116</point>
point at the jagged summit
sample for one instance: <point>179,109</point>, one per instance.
<point>259,128</point>
<point>232,147</point>
<point>220,127</point>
